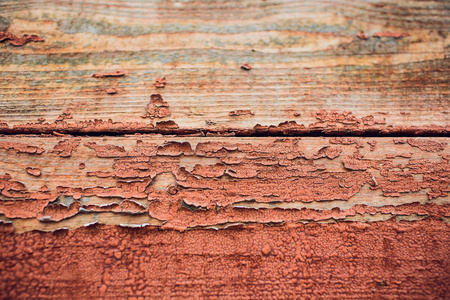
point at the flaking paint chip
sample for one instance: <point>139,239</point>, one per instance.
<point>109,74</point>
<point>111,91</point>
<point>240,113</point>
<point>246,66</point>
<point>362,36</point>
<point>19,41</point>
<point>390,34</point>
<point>33,171</point>
<point>160,82</point>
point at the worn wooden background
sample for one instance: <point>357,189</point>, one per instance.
<point>322,172</point>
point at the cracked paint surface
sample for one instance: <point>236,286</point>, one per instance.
<point>408,259</point>
<point>184,183</point>
<point>17,41</point>
<point>329,123</point>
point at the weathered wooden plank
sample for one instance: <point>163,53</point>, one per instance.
<point>49,183</point>
<point>344,260</point>
<point>306,57</point>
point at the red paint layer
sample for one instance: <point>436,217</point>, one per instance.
<point>362,36</point>
<point>246,66</point>
<point>19,41</point>
<point>109,74</point>
<point>111,91</point>
<point>66,147</point>
<point>33,171</point>
<point>240,113</point>
<point>160,82</point>
<point>391,34</point>
<point>273,172</point>
<point>427,145</point>
<point>21,148</point>
<point>67,114</point>
<point>332,123</point>
<point>157,108</point>
<point>406,260</point>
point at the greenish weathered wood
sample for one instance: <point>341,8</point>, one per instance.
<point>306,57</point>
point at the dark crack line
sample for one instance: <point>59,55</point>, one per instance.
<point>230,133</point>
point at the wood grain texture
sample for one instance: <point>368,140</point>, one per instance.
<point>50,183</point>
<point>306,57</point>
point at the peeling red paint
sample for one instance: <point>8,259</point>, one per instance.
<point>22,203</point>
<point>240,113</point>
<point>372,145</point>
<point>43,188</point>
<point>184,219</point>
<point>399,141</point>
<point>109,74</point>
<point>427,145</point>
<point>246,66</point>
<point>175,149</point>
<point>55,133</point>
<point>21,148</point>
<point>333,117</point>
<point>33,171</point>
<point>344,140</point>
<point>111,91</point>
<point>157,108</point>
<point>125,207</point>
<point>19,41</point>
<point>85,127</point>
<point>276,172</point>
<point>333,123</point>
<point>67,114</point>
<point>405,155</point>
<point>362,36</point>
<point>106,150</point>
<point>172,190</point>
<point>65,148</point>
<point>56,212</point>
<point>390,34</point>
<point>368,120</point>
<point>167,125</point>
<point>330,152</point>
<point>160,82</point>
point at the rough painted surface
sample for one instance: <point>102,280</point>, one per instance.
<point>342,260</point>
<point>305,56</point>
<point>188,182</point>
<point>217,206</point>
<point>7,37</point>
<point>328,123</point>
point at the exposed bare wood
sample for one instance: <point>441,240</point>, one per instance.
<point>306,57</point>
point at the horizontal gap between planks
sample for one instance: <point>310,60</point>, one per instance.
<point>230,133</point>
